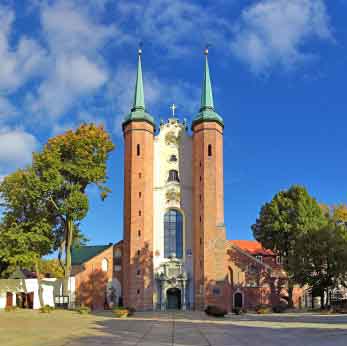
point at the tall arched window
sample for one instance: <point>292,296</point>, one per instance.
<point>173,234</point>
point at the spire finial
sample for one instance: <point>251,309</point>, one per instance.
<point>206,49</point>
<point>139,50</point>
<point>173,108</point>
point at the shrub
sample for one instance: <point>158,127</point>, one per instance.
<point>83,310</point>
<point>280,308</point>
<point>11,308</point>
<point>262,309</point>
<point>215,311</point>
<point>122,312</point>
<point>46,309</point>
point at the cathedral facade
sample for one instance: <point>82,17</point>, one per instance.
<point>174,253</point>
<point>174,233</point>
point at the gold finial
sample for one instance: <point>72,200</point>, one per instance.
<point>139,50</point>
<point>206,49</point>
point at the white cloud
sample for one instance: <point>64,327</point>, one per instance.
<point>7,109</point>
<point>177,26</point>
<point>16,149</point>
<point>20,62</point>
<point>77,68</point>
<point>273,32</point>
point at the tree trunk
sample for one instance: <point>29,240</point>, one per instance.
<point>290,294</point>
<point>322,305</point>
<point>68,242</point>
<point>39,282</point>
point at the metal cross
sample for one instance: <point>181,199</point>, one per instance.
<point>173,108</point>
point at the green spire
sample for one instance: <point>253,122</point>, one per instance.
<point>207,111</point>
<point>206,95</point>
<point>139,99</point>
<point>138,111</point>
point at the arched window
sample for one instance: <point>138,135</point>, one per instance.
<point>104,265</point>
<point>173,175</point>
<point>173,234</point>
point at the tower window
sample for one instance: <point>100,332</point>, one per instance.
<point>173,234</point>
<point>173,175</point>
<point>138,272</point>
<point>138,291</point>
<point>173,158</point>
<point>139,233</point>
<point>139,212</point>
<point>138,151</point>
<point>209,150</point>
<point>140,175</point>
<point>138,252</point>
<point>140,194</point>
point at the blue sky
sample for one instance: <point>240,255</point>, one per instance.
<point>278,69</point>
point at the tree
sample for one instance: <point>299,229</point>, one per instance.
<point>25,231</point>
<point>323,259</point>
<point>55,191</point>
<point>68,164</point>
<point>51,267</point>
<point>283,222</point>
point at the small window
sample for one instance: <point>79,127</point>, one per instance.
<point>216,291</point>
<point>173,158</point>
<point>209,150</point>
<point>138,291</point>
<point>140,194</point>
<point>104,265</point>
<point>138,272</point>
<point>200,219</point>
<point>139,233</point>
<point>138,151</point>
<point>200,197</point>
<point>173,175</point>
<point>138,252</point>
<point>140,175</point>
<point>259,258</point>
<point>279,260</point>
<point>200,178</point>
<point>118,257</point>
<point>139,212</point>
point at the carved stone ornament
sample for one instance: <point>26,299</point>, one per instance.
<point>171,138</point>
<point>173,195</point>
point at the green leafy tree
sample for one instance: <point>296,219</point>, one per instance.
<point>25,231</point>
<point>51,267</point>
<point>52,194</point>
<point>283,222</point>
<point>68,164</point>
<point>323,259</point>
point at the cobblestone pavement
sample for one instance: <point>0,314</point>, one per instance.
<point>171,329</point>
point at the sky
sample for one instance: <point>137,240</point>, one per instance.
<point>278,69</point>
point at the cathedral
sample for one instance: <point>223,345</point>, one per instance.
<point>174,253</point>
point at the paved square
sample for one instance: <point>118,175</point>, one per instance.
<point>65,328</point>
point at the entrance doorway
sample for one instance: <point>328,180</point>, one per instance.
<point>9,299</point>
<point>238,300</point>
<point>173,298</point>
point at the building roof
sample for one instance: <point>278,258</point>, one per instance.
<point>80,255</point>
<point>253,247</point>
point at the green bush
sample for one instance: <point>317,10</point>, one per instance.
<point>47,309</point>
<point>83,310</point>
<point>11,308</point>
<point>215,311</point>
<point>121,312</point>
<point>262,309</point>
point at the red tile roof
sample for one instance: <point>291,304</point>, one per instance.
<point>252,246</point>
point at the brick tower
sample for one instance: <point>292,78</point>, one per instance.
<point>138,130</point>
<point>208,201</point>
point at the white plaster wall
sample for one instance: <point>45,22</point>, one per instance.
<point>162,165</point>
<point>51,288</point>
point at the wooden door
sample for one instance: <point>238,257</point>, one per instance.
<point>30,300</point>
<point>9,299</point>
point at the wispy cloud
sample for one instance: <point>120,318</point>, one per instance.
<point>16,149</point>
<point>273,32</point>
